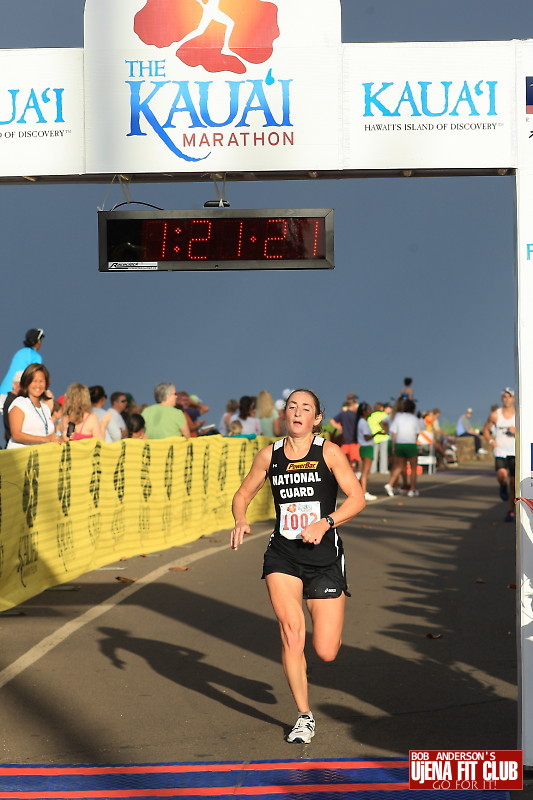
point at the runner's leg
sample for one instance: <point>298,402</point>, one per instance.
<point>328,620</point>
<point>502,475</point>
<point>286,594</point>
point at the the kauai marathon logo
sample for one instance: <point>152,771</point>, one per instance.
<point>219,36</point>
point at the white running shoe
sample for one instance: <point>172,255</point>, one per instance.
<point>412,493</point>
<point>357,474</point>
<point>369,496</point>
<point>388,488</point>
<point>303,731</point>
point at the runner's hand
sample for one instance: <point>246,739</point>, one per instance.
<point>314,533</point>
<point>238,533</point>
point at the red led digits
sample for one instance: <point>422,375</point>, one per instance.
<point>266,254</point>
<point>224,239</point>
<point>190,253</point>
<point>154,240</point>
<point>164,240</point>
<point>315,237</point>
<point>239,239</point>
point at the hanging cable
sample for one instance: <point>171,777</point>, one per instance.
<point>221,201</point>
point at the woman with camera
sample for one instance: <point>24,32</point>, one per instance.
<point>79,420</point>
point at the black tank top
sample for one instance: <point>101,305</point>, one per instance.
<point>304,491</point>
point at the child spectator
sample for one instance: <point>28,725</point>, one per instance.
<point>235,431</point>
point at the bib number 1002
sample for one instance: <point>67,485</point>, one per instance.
<point>295,517</point>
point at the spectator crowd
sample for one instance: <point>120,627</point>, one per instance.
<point>383,437</point>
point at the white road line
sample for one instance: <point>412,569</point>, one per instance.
<point>57,637</point>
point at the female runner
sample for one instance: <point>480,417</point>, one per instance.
<point>304,559</point>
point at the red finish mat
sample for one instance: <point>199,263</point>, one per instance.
<point>304,779</point>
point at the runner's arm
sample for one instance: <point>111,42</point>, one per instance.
<point>250,486</point>
<point>488,425</point>
<point>348,483</point>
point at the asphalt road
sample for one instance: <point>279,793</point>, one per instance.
<point>182,663</point>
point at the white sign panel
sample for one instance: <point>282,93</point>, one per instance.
<point>217,86</point>
<point>41,112</point>
<point>429,105</point>
<point>524,104</point>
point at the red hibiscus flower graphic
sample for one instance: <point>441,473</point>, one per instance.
<point>215,34</point>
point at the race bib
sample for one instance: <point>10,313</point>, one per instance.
<point>294,517</point>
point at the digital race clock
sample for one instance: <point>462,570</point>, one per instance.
<point>215,239</point>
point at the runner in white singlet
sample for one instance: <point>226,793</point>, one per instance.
<point>500,431</point>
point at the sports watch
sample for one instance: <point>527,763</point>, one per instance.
<point>330,521</point>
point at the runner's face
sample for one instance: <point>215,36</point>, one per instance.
<point>300,414</point>
<point>507,400</point>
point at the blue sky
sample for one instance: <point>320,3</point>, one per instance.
<point>423,284</point>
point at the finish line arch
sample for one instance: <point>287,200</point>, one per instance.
<point>414,109</point>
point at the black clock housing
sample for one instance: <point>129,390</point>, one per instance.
<point>215,239</point>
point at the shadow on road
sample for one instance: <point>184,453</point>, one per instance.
<point>429,659</point>
<point>186,668</point>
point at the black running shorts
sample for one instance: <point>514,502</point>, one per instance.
<point>319,583</point>
<point>505,463</point>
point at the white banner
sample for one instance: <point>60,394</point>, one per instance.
<point>221,86</point>
<point>252,85</point>
<point>41,112</point>
<point>524,104</point>
<point>429,105</point>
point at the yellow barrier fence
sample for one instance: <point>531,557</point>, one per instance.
<point>68,509</point>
